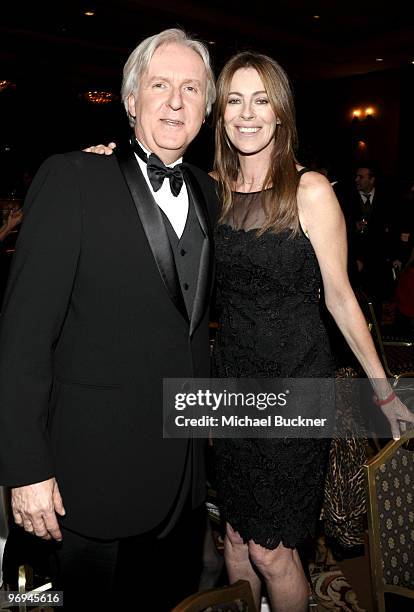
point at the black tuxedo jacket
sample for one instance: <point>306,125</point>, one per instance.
<point>373,245</point>
<point>93,320</point>
<point>377,224</point>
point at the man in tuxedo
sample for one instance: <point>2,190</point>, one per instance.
<point>369,235</point>
<point>108,295</point>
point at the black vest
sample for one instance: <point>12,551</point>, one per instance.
<point>187,251</point>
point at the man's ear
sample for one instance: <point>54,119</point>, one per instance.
<point>131,105</point>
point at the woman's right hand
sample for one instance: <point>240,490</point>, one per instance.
<point>101,149</point>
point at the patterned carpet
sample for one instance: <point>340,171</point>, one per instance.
<point>331,591</point>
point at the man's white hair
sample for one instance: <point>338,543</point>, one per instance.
<point>139,60</point>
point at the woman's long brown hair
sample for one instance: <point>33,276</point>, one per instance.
<point>280,202</point>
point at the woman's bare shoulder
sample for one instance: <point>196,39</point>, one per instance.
<point>314,183</point>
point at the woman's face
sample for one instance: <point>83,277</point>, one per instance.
<point>249,120</point>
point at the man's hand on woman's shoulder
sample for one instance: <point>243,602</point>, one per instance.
<point>101,149</point>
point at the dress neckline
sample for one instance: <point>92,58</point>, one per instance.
<point>252,192</point>
<point>255,229</point>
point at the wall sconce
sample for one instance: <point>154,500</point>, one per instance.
<point>359,114</point>
<point>6,85</point>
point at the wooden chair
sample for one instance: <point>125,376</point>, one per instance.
<point>389,482</point>
<point>396,354</point>
<point>235,598</point>
<point>4,525</point>
<point>25,581</point>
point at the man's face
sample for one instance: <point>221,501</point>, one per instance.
<point>170,104</point>
<point>364,181</point>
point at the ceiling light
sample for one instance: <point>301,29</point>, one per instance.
<point>316,16</point>
<point>89,13</point>
<point>379,59</point>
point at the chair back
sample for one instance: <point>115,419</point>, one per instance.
<point>396,354</point>
<point>237,597</point>
<point>389,482</point>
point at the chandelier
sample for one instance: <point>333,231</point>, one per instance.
<point>99,97</point>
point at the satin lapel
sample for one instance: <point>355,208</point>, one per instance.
<point>153,224</point>
<point>205,270</point>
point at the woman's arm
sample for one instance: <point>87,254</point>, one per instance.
<point>322,219</point>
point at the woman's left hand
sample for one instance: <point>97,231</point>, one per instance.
<point>397,415</point>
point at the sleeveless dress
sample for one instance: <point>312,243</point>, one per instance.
<point>268,288</point>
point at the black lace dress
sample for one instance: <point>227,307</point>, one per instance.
<point>270,490</point>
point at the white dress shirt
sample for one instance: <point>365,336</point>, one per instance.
<point>175,207</point>
<point>369,195</point>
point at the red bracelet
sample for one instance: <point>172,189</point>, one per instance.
<point>382,402</point>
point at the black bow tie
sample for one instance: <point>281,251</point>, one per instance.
<point>157,170</point>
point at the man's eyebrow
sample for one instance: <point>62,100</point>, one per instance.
<point>237,93</point>
<point>158,78</point>
<point>165,78</point>
<point>197,81</point>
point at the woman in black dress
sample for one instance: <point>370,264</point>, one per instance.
<point>281,231</point>
<point>280,235</point>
